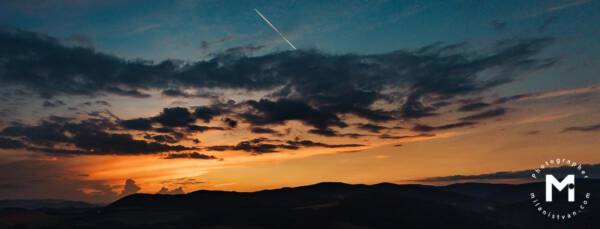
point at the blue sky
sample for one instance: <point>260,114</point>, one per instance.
<point>336,26</point>
<point>160,30</point>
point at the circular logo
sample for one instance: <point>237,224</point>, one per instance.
<point>556,195</point>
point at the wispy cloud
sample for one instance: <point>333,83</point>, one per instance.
<point>550,94</point>
<point>558,7</point>
<point>515,176</point>
<point>588,128</point>
<point>566,5</point>
<point>145,28</point>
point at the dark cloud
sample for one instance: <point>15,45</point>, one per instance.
<point>50,68</point>
<point>327,132</point>
<point>308,143</point>
<point>90,137</point>
<point>163,138</point>
<point>53,103</point>
<point>175,92</point>
<point>207,113</point>
<point>193,155</point>
<point>427,128</point>
<point>130,187</point>
<point>532,132</point>
<point>324,132</point>
<point>510,56</point>
<point>440,104</point>
<point>266,112</point>
<point>244,50</point>
<point>263,130</point>
<point>388,136</point>
<point>7,143</point>
<point>517,97</point>
<point>126,92</point>
<point>414,108</point>
<point>137,124</point>
<point>589,128</point>
<point>317,89</point>
<point>175,191</point>
<point>175,117</point>
<point>523,175</point>
<point>373,128</point>
<point>542,95</point>
<point>230,122</point>
<point>473,106</point>
<point>184,181</point>
<point>177,120</point>
<point>264,145</point>
<point>106,143</point>
<point>316,86</point>
<point>203,128</point>
<point>255,146</point>
<point>44,134</point>
<point>103,103</point>
<point>485,115</point>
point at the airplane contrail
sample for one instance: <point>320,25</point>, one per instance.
<point>274,28</point>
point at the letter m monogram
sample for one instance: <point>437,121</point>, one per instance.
<point>569,181</point>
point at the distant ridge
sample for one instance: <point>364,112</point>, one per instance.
<point>44,203</point>
<point>323,205</point>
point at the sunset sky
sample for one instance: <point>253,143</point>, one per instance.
<point>99,99</point>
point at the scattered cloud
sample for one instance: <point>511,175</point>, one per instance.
<point>7,143</point>
<point>517,176</point>
<point>427,128</point>
<point>473,106</point>
<point>264,145</point>
<point>485,115</point>
<point>532,132</point>
<point>395,137</point>
<point>373,128</point>
<point>175,191</point>
<point>264,130</point>
<point>130,187</point>
<point>53,103</point>
<point>567,4</point>
<point>193,155</point>
<point>86,137</point>
<point>316,84</point>
<point>550,94</point>
<point>595,127</point>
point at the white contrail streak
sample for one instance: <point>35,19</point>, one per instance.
<point>275,28</point>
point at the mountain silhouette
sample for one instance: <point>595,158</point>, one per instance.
<point>322,205</point>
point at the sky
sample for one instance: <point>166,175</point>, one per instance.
<point>101,99</point>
